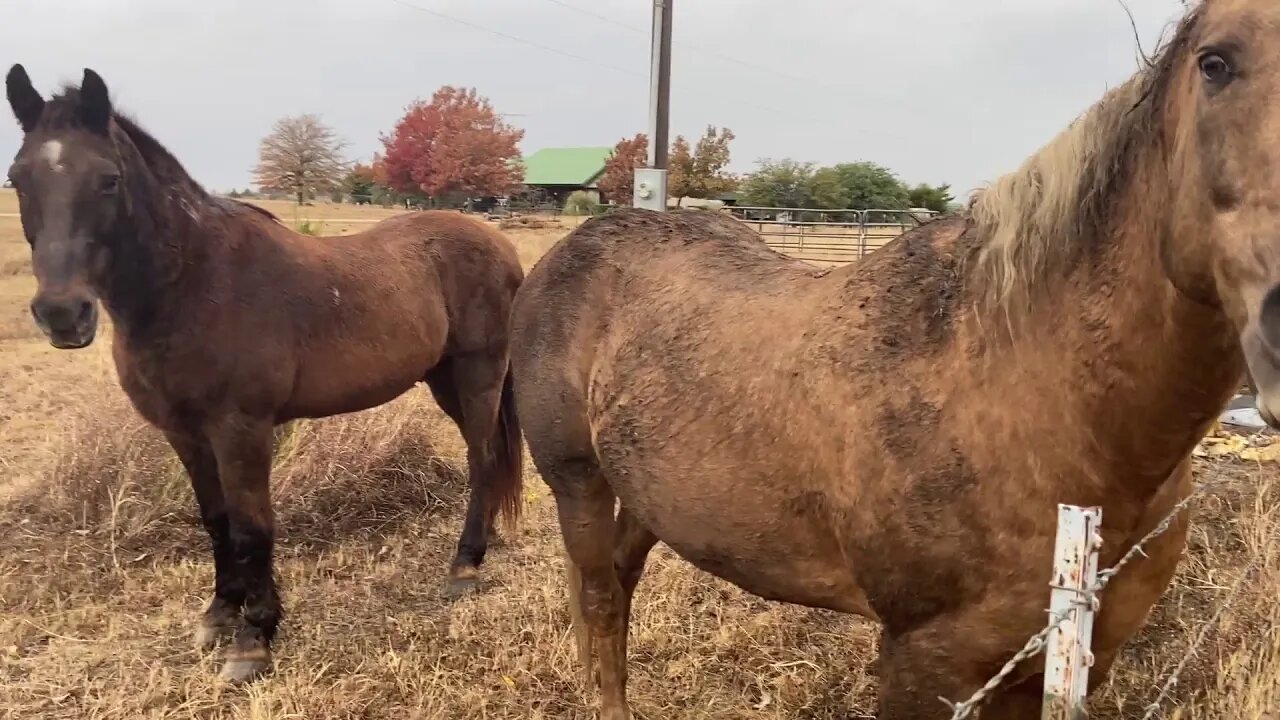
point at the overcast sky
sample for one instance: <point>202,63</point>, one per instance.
<point>955,91</point>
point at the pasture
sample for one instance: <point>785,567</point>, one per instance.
<point>104,569</point>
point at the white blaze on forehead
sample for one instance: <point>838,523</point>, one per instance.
<point>52,153</point>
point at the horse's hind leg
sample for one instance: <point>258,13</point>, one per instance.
<point>630,550</point>
<point>632,544</point>
<point>585,506</point>
<point>222,617</point>
<point>468,389</point>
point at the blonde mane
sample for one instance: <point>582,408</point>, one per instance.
<point>1041,218</point>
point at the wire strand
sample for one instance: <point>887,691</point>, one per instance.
<point>515,38</point>
<point>697,48</point>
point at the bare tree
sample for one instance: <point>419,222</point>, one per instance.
<point>301,155</point>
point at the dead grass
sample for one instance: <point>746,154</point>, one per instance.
<point>103,569</point>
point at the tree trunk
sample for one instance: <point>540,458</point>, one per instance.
<point>299,198</point>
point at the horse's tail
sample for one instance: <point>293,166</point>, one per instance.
<point>508,457</point>
<point>581,633</point>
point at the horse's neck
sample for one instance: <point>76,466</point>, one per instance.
<point>153,254</point>
<point>1126,365</point>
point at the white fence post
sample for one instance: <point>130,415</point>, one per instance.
<point>1067,653</point>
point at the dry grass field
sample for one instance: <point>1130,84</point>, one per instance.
<point>104,568</point>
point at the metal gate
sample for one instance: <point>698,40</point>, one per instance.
<point>828,237</point>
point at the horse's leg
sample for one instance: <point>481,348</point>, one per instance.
<point>631,549</point>
<point>941,659</point>
<point>242,446</point>
<point>222,617</point>
<point>585,506</point>
<point>1023,701</point>
<point>439,379</point>
<point>469,388</point>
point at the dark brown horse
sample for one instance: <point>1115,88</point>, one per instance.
<point>226,323</point>
<point>892,438</point>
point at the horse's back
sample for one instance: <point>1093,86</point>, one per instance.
<point>564,309</point>
<point>358,319</point>
<point>653,351</point>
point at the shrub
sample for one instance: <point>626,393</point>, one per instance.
<point>581,202</point>
<point>310,227</point>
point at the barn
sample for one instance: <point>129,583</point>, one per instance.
<point>556,172</point>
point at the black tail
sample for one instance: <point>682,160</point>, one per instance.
<point>508,458</point>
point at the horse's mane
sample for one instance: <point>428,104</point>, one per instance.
<point>62,112</point>
<point>1059,204</point>
<point>237,203</point>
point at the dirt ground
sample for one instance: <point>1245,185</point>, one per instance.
<point>104,569</point>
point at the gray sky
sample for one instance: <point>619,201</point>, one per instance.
<point>938,90</point>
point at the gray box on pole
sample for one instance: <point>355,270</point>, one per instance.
<point>650,189</point>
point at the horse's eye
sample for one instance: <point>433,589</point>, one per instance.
<point>110,184</point>
<point>1215,69</point>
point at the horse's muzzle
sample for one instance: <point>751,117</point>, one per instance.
<point>69,323</point>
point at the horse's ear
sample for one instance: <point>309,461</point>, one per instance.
<point>95,103</point>
<point>23,98</point>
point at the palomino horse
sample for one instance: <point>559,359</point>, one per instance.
<point>226,324</point>
<point>892,438</point>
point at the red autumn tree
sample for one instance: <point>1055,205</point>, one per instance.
<point>680,172</point>
<point>618,179</point>
<point>454,145</point>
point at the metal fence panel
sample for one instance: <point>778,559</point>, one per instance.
<point>824,236</point>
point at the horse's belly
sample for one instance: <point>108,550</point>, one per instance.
<point>348,382</point>
<point>765,540</point>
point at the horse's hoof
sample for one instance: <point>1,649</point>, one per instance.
<point>246,666</point>
<point>461,580</point>
<point>209,636</point>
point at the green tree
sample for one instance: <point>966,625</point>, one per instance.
<point>826,191</point>
<point>710,160</point>
<point>778,183</point>
<point>359,183</point>
<point>868,185</point>
<point>934,197</point>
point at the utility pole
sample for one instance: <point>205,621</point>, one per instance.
<point>651,182</point>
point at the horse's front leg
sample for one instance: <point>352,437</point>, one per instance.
<point>222,617</point>
<point>242,446</point>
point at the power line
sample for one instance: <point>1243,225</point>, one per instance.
<point>563,53</point>
<point>598,16</point>
<point>514,38</point>
<point>693,48</point>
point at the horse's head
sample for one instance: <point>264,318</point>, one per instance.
<point>68,177</point>
<point>1222,129</point>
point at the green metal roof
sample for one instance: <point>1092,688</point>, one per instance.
<point>578,166</point>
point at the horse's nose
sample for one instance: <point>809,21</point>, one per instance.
<point>61,314</point>
<point>67,320</point>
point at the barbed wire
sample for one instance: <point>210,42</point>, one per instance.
<point>1194,649</point>
<point>962,710</point>
<point>1035,644</point>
